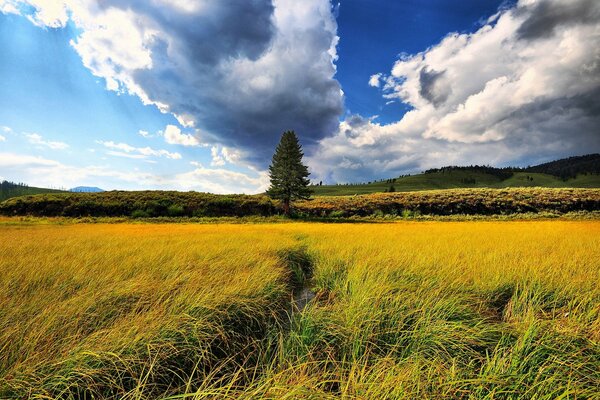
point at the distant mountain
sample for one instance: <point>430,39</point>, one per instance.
<point>86,189</point>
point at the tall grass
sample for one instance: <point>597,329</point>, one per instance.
<point>403,310</point>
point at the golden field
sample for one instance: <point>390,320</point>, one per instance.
<point>484,309</point>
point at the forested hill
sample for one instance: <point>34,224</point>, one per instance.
<point>567,168</point>
<point>12,189</point>
<point>577,172</point>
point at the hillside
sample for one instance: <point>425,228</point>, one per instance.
<point>570,167</point>
<point>11,189</point>
<point>575,172</point>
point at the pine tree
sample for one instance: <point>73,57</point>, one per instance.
<point>289,177</point>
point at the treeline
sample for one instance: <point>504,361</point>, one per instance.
<point>139,204</point>
<point>11,189</point>
<point>386,180</point>
<point>568,168</point>
<point>500,173</point>
<point>147,204</point>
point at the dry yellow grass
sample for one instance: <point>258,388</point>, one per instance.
<point>432,309</point>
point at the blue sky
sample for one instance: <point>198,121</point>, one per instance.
<point>194,95</point>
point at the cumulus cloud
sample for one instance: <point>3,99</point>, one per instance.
<point>374,80</point>
<point>241,71</point>
<point>125,150</point>
<point>2,138</point>
<point>221,155</point>
<point>173,135</point>
<point>219,180</point>
<point>523,88</point>
<point>36,139</point>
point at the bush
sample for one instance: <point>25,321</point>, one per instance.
<point>337,214</point>
<point>175,210</point>
<point>140,214</point>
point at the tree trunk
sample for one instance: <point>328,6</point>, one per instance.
<point>286,207</point>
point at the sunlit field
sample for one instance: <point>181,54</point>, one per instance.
<point>487,309</point>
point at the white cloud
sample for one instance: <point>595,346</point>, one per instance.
<point>374,80</point>
<point>143,133</point>
<point>217,159</point>
<point>36,139</point>
<point>126,155</point>
<point>523,88</point>
<point>2,138</point>
<point>218,180</point>
<point>222,155</point>
<point>173,135</point>
<point>126,150</point>
<point>7,7</point>
<point>7,129</point>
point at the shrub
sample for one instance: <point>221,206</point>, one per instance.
<point>337,214</point>
<point>175,210</point>
<point>140,214</point>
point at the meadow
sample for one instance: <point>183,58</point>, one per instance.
<point>488,309</point>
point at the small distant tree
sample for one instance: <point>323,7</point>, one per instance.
<point>289,177</point>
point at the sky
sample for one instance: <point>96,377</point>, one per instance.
<point>194,95</point>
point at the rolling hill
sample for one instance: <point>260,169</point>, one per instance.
<point>575,172</point>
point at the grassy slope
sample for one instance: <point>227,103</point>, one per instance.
<point>405,310</point>
<point>454,179</point>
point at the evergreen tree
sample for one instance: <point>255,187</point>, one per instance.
<point>289,177</point>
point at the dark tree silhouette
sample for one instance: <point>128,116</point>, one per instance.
<point>289,177</point>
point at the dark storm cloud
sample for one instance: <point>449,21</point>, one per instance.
<point>243,79</point>
<point>217,30</point>
<point>545,16</point>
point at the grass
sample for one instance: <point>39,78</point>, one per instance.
<point>457,179</point>
<point>482,310</point>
